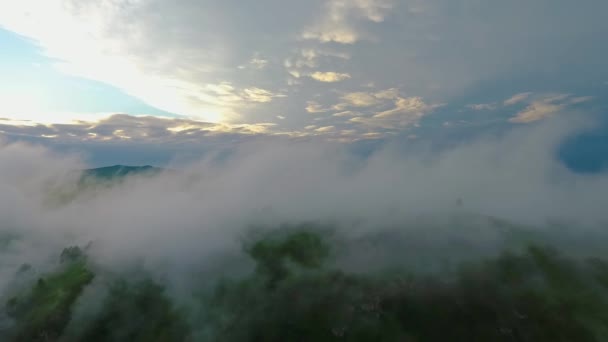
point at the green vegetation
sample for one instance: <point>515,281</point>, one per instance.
<point>42,312</point>
<point>132,310</point>
<point>90,180</point>
<point>294,294</point>
<point>136,312</point>
<point>533,296</point>
<point>115,172</point>
<point>273,256</point>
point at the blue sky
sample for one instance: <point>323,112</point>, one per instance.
<point>27,74</point>
<point>218,72</point>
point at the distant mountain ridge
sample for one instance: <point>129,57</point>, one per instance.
<point>119,171</point>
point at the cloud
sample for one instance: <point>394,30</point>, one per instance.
<point>325,129</point>
<point>260,95</point>
<point>258,63</point>
<point>329,76</point>
<point>315,107</point>
<point>123,137</point>
<point>146,129</point>
<point>339,24</point>
<point>483,106</point>
<point>537,106</point>
<point>304,62</point>
<point>408,105</point>
<point>304,58</point>
<point>407,111</point>
<point>390,110</point>
<point>343,35</point>
<point>545,106</point>
<point>517,98</point>
<point>357,99</point>
<point>368,99</point>
<point>346,113</point>
<point>188,60</point>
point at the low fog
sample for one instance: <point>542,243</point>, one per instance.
<point>191,216</point>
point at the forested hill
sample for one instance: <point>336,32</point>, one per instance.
<point>119,171</point>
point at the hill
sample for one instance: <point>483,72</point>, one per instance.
<point>120,171</point>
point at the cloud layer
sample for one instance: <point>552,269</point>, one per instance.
<point>265,62</point>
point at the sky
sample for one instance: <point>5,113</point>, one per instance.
<point>154,81</point>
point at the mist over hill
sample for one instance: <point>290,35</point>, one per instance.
<point>492,240</point>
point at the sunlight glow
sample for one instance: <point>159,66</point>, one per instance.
<point>79,44</point>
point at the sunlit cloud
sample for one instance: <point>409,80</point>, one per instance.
<point>406,112</point>
<point>346,113</point>
<point>260,95</point>
<point>338,24</point>
<point>545,106</point>
<point>517,98</point>
<point>325,129</point>
<point>315,107</point>
<point>155,130</point>
<point>357,99</point>
<point>360,65</point>
<point>329,76</point>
